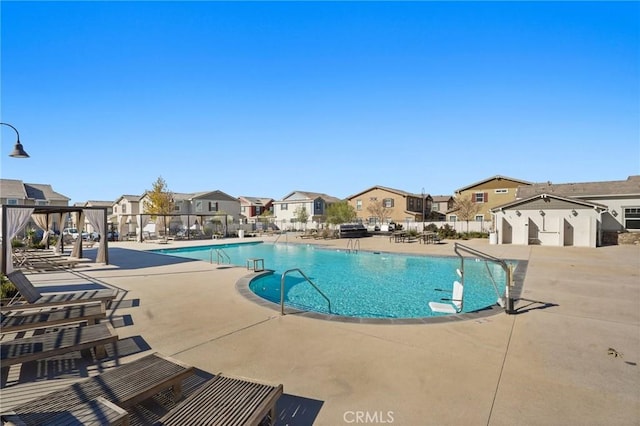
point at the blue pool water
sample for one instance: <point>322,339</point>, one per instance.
<point>362,284</point>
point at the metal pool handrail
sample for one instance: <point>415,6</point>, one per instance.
<point>306,278</point>
<point>507,270</point>
<point>353,245</point>
<point>219,254</point>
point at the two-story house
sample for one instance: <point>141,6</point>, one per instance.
<point>14,192</point>
<point>488,193</point>
<point>124,214</point>
<point>252,207</point>
<point>288,210</point>
<point>196,210</point>
<point>400,206</point>
<point>440,206</point>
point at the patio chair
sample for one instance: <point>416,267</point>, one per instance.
<point>225,400</point>
<point>24,319</point>
<point>33,296</point>
<point>125,386</point>
<point>34,348</point>
<point>456,304</point>
<point>98,412</point>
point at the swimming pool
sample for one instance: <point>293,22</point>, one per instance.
<point>362,284</point>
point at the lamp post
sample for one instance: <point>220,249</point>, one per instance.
<point>18,150</point>
<point>423,209</point>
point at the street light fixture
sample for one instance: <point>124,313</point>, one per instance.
<point>423,209</point>
<point>18,150</point>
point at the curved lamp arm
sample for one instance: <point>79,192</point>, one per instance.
<point>18,150</point>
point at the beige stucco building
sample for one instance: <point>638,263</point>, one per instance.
<point>401,206</point>
<point>488,193</point>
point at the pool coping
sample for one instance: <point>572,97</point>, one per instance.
<point>242,286</point>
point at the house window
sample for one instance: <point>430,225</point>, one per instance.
<point>198,205</point>
<point>480,197</point>
<point>124,208</point>
<point>41,203</point>
<point>213,207</point>
<point>632,218</point>
<point>243,209</point>
<point>435,207</point>
<point>453,218</point>
<point>176,208</point>
<point>373,199</point>
<point>479,218</point>
<point>501,191</point>
<point>359,205</point>
<point>12,202</point>
<point>387,202</point>
<point>283,206</point>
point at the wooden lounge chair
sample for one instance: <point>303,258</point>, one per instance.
<point>18,351</point>
<point>98,412</point>
<point>22,319</point>
<point>125,386</point>
<point>33,296</point>
<point>226,400</point>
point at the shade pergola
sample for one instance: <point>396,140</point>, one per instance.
<point>14,219</point>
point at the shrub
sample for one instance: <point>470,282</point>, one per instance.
<point>7,289</point>
<point>432,227</point>
<point>447,231</point>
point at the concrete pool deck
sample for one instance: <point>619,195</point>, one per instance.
<point>548,364</point>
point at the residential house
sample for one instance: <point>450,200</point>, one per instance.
<point>14,192</point>
<point>286,212</point>
<point>199,209</point>
<point>252,207</point>
<point>401,206</point>
<point>124,214</point>
<point>440,205</point>
<point>488,193</point>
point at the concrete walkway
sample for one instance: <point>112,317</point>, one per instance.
<point>548,364</point>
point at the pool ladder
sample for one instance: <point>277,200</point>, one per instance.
<point>353,245</point>
<point>220,254</point>
<point>306,278</point>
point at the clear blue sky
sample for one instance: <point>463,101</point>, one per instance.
<point>264,98</point>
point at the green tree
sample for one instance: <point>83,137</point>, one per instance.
<point>301,215</point>
<point>160,201</point>
<point>341,212</point>
<point>466,209</point>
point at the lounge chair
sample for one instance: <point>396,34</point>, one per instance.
<point>18,351</point>
<point>22,319</point>
<point>33,296</point>
<point>51,264</point>
<point>98,412</point>
<point>456,304</point>
<point>125,386</point>
<point>226,400</point>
